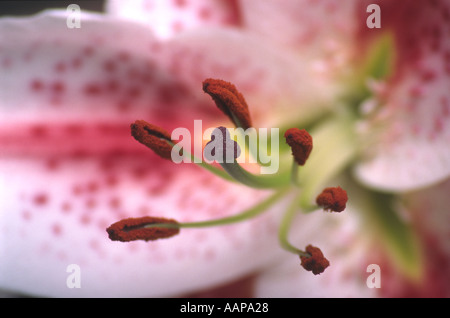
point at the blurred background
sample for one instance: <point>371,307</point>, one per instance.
<point>19,7</point>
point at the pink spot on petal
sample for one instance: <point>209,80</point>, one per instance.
<point>76,63</point>
<point>416,92</point>
<point>114,203</point>
<point>177,26</point>
<point>6,62</point>
<point>58,87</point>
<point>40,199</point>
<point>77,190</point>
<point>66,207</point>
<point>90,203</point>
<point>39,131</point>
<point>109,66</point>
<point>92,89</point>
<point>438,125</point>
<point>429,76</point>
<point>123,106</point>
<point>134,92</point>
<point>111,181</point>
<point>26,215</point>
<point>124,56</point>
<point>60,67</point>
<point>56,229</point>
<point>112,85</point>
<point>85,219</point>
<point>88,51</point>
<point>180,3</point>
<point>52,164</point>
<point>36,85</point>
<point>92,186</point>
<point>205,13</point>
<point>210,254</point>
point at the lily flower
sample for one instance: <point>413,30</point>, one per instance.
<point>375,103</point>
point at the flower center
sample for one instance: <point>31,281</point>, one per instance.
<point>311,170</point>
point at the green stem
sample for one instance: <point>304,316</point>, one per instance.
<point>256,181</point>
<point>285,225</point>
<point>247,214</point>
<point>294,174</point>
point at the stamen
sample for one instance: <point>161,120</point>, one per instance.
<point>223,150</point>
<point>155,138</point>
<point>229,100</point>
<point>133,229</point>
<point>153,228</point>
<point>301,144</point>
<point>332,199</point>
<point>316,262</point>
<point>313,259</point>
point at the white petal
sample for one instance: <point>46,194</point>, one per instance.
<point>321,30</point>
<point>412,149</point>
<point>69,168</point>
<point>56,216</point>
<point>54,73</point>
<point>280,87</point>
<point>167,18</point>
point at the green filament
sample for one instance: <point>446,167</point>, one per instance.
<point>245,215</point>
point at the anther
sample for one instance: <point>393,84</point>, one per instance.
<point>332,199</point>
<point>316,262</point>
<point>153,137</point>
<point>229,100</point>
<point>145,228</point>
<point>301,144</point>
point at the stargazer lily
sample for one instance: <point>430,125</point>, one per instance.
<point>363,115</point>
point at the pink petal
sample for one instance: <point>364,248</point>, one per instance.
<point>69,167</point>
<point>56,216</point>
<point>412,149</point>
<point>97,73</point>
<point>321,30</point>
<point>341,243</point>
<point>168,18</point>
<point>427,212</point>
<point>280,87</point>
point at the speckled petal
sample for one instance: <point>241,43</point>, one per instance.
<point>52,218</point>
<point>320,30</point>
<point>279,86</point>
<point>69,166</point>
<point>408,145</point>
<point>167,18</point>
<point>51,73</point>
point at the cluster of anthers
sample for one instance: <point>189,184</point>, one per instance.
<point>231,102</point>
